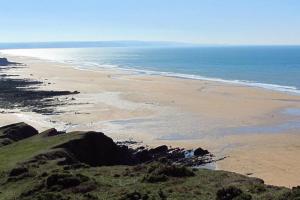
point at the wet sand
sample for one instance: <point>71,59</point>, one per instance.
<point>258,129</point>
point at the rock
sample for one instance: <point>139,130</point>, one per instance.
<point>5,141</point>
<point>21,93</point>
<point>65,158</point>
<point>143,156</point>
<point>159,150</point>
<point>17,131</point>
<point>51,132</point>
<point>96,149</point>
<point>3,62</point>
<point>18,171</point>
<point>200,152</point>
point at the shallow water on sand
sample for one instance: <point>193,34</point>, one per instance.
<point>292,111</point>
<point>272,67</point>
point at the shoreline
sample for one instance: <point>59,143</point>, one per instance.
<point>292,90</point>
<point>178,112</point>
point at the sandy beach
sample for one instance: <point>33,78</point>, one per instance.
<point>256,129</point>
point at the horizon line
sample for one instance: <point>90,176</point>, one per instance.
<point>149,42</point>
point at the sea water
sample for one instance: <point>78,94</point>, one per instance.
<point>270,67</point>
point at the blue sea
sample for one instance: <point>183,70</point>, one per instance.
<point>270,67</point>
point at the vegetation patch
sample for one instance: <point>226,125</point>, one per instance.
<point>159,172</point>
<point>135,196</point>
<point>232,193</point>
<point>65,180</point>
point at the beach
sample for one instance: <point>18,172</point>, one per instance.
<point>256,129</point>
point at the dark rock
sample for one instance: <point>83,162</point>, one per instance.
<point>5,141</point>
<point>17,131</point>
<point>44,174</point>
<point>140,148</point>
<point>200,152</point>
<point>51,132</point>
<point>24,94</point>
<point>159,150</point>
<point>176,154</point>
<point>4,62</point>
<point>96,149</point>
<point>143,156</point>
<point>18,171</point>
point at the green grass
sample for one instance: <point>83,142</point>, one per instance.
<point>119,182</point>
<point>22,150</point>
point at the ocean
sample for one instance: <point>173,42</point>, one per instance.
<point>270,67</point>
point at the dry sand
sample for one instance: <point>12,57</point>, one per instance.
<point>253,126</point>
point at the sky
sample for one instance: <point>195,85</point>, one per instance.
<point>193,21</point>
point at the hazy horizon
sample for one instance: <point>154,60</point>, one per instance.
<point>121,43</point>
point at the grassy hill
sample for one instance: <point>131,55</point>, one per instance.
<point>48,166</point>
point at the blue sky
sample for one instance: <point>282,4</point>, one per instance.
<point>196,21</point>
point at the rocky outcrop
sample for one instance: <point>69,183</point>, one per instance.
<point>18,171</point>
<point>51,132</point>
<point>15,132</point>
<point>200,152</point>
<point>23,94</point>
<point>96,149</point>
<point>159,150</point>
<point>5,62</point>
